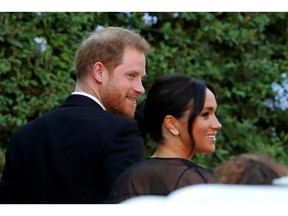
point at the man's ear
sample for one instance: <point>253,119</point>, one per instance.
<point>98,69</point>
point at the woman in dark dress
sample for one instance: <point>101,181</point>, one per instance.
<point>179,115</point>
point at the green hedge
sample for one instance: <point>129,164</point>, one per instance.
<point>241,54</point>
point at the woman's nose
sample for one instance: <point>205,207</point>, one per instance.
<point>216,124</point>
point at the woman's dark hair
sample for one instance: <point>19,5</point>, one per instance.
<point>170,95</point>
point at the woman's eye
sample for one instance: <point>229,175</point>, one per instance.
<point>205,114</point>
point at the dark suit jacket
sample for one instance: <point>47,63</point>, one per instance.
<point>72,154</point>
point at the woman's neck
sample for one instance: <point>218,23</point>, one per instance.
<point>164,151</point>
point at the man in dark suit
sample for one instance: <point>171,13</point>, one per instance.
<point>75,153</point>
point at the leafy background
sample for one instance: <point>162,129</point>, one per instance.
<point>244,55</point>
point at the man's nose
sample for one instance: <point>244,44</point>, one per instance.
<point>139,87</point>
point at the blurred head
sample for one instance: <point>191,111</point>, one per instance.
<point>111,61</point>
<point>183,106</point>
<point>249,169</point>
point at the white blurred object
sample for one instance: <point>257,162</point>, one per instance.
<point>220,195</point>
<point>282,181</point>
<point>146,199</point>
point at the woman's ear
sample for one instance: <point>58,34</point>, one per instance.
<point>98,69</point>
<point>170,123</point>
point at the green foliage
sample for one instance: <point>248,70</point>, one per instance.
<point>241,54</point>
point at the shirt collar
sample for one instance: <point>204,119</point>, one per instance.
<point>90,96</point>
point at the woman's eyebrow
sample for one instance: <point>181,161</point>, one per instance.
<point>210,108</point>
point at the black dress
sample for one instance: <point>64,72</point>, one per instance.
<point>159,176</point>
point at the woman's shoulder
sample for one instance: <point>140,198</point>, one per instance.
<point>142,166</point>
<point>203,173</point>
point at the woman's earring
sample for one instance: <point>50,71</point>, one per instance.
<point>174,132</point>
